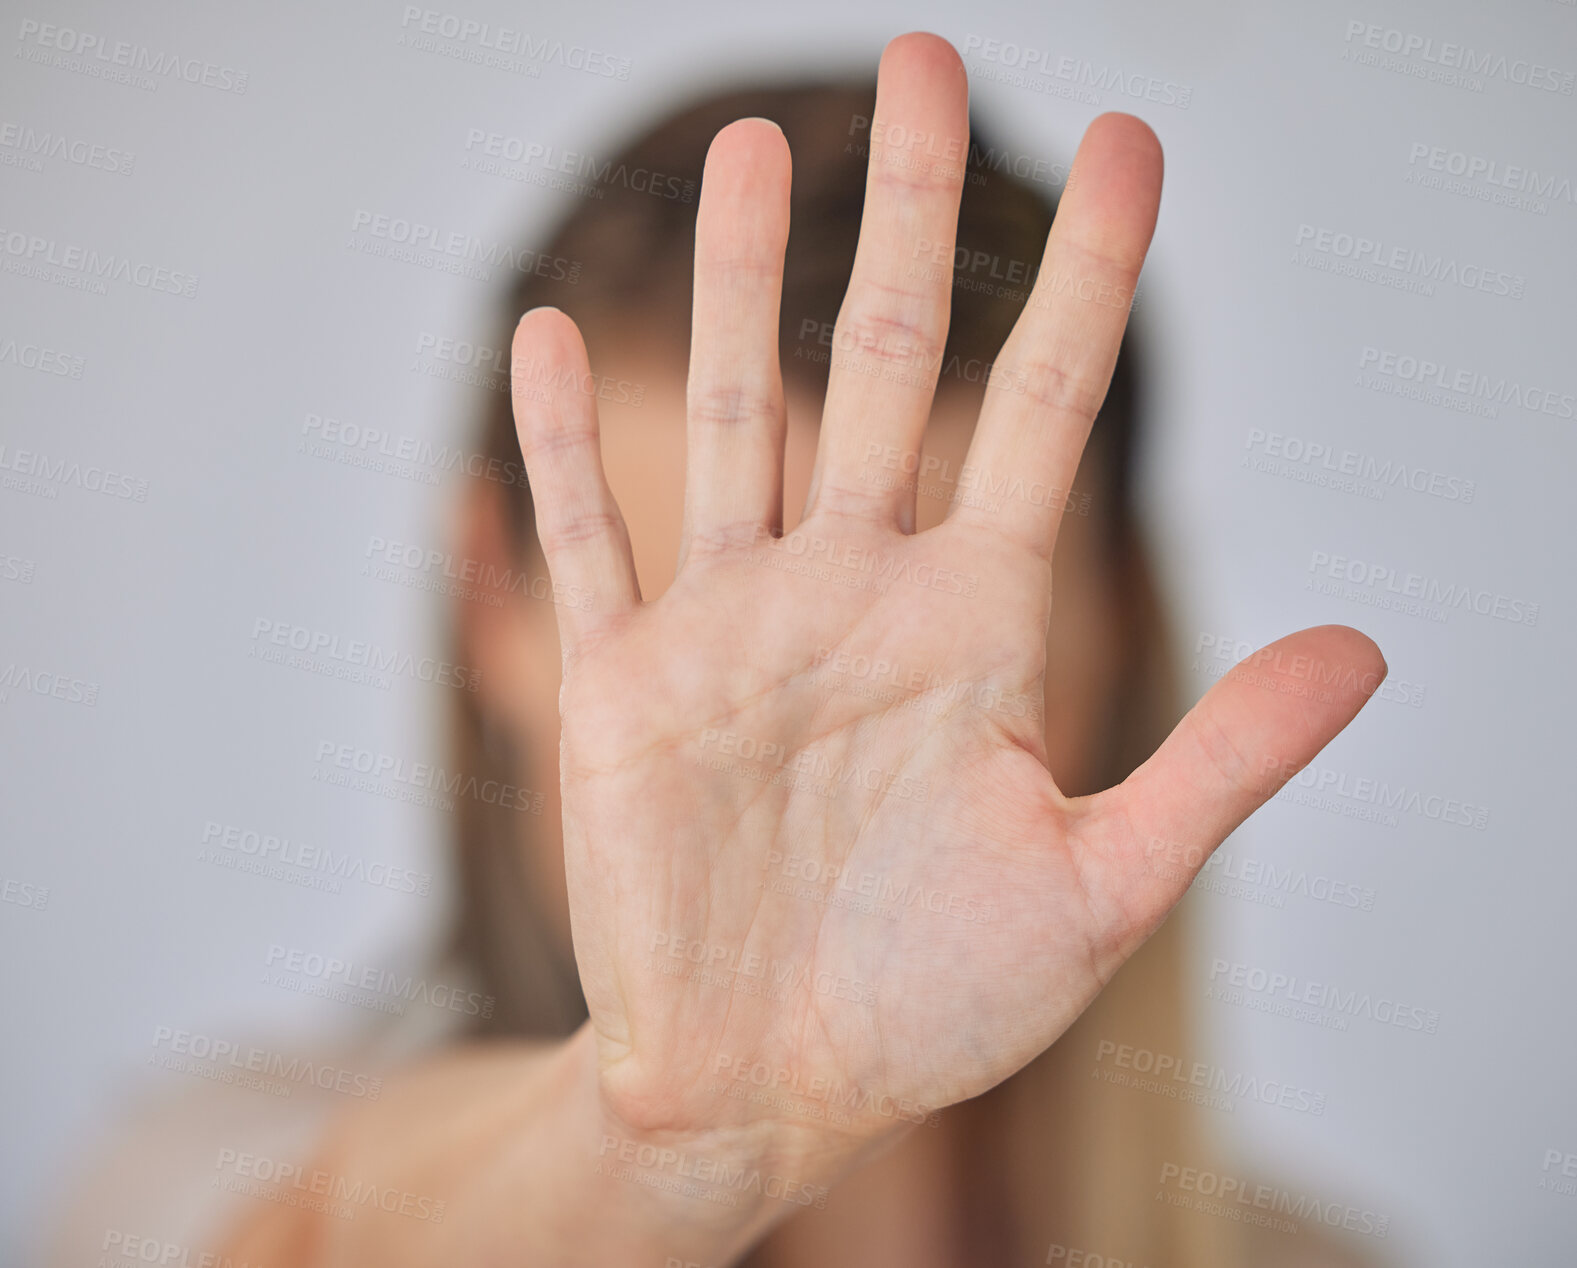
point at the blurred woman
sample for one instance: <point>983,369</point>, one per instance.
<point>788,741</point>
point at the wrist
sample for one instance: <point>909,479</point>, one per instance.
<point>727,1180</point>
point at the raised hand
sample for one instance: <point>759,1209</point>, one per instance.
<point>866,898</point>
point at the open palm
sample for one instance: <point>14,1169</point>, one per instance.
<point>821,880</point>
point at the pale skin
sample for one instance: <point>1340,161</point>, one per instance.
<point>701,744</point>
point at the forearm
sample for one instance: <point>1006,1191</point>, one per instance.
<point>491,1154</point>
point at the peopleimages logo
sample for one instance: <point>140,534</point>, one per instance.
<point>1376,583</point>
<point>442,572</point>
<point>43,476</point>
<point>735,968</point>
<point>352,659</point>
<point>452,250</point>
<point>485,44</point>
<point>839,667</point>
<point>901,359</point>
<point>1449,62</point>
<point>694,1173</point>
<point>15,568</point>
<point>1513,178</point>
<point>1559,1173</point>
<point>1175,1077</point>
<point>1037,68</point>
<point>291,964</point>
<point>1366,790</point>
<point>1278,453</point>
<point>1228,873</point>
<point>1220,654</point>
<point>87,268</point>
<point>1238,1198</point>
<point>807,769</point>
<point>271,850</point>
<point>126,1249</point>
<point>867,891</point>
<point>586,173</point>
<point>258,1175</point>
<point>406,457</point>
<point>225,1061</point>
<point>120,60</point>
<point>1289,989</point>
<point>1427,372</point>
<point>866,562</point>
<point>364,770</point>
<point>28,147</point>
<point>849,1098</point>
<point>1337,246</point>
<point>984,159</point>
<point>31,680</point>
<point>30,356</point>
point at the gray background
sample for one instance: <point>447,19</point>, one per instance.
<point>204,398</point>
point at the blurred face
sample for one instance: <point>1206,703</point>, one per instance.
<point>515,644</point>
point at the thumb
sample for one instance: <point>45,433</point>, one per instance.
<point>1147,838</point>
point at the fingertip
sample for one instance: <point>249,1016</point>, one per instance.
<point>1330,671</point>
<point>1344,643</point>
<point>749,140</point>
<point>1363,653</point>
<point>925,51</point>
<point>548,327</point>
<point>536,318</point>
<point>1127,151</point>
<point>1366,648</point>
<point>546,351</point>
<point>1130,129</point>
